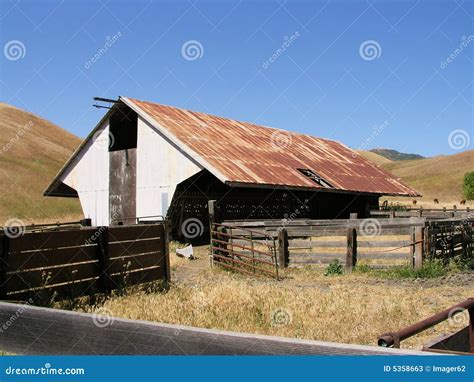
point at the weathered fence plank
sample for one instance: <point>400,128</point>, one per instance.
<point>102,258</point>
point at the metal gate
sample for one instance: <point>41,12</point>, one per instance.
<point>243,250</point>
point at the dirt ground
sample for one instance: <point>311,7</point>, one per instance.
<point>351,308</point>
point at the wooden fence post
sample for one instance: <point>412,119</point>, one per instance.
<point>105,283</point>
<point>417,246</point>
<point>166,252</point>
<point>283,251</point>
<point>426,242</point>
<point>4,249</point>
<point>351,255</point>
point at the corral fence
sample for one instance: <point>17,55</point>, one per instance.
<point>377,243</point>
<point>72,262</point>
<point>429,213</point>
<point>449,239</point>
<point>244,250</point>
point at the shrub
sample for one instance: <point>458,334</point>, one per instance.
<point>334,268</point>
<point>430,269</point>
<point>468,185</point>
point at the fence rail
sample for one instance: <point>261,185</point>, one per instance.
<point>462,341</point>
<point>67,333</point>
<point>244,250</point>
<point>376,242</point>
<point>81,261</point>
<point>429,213</point>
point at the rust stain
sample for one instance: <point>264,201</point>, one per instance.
<point>246,153</point>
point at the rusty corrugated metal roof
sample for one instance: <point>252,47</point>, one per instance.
<point>247,154</point>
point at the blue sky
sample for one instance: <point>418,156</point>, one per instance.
<point>366,73</point>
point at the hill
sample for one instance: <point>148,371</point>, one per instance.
<point>396,155</point>
<point>32,150</point>
<point>438,177</point>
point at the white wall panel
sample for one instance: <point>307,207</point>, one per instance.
<point>160,167</point>
<point>89,176</point>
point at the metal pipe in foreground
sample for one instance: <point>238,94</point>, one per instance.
<point>393,339</point>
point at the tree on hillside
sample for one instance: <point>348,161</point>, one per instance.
<point>469,185</point>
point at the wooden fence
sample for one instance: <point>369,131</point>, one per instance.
<point>429,213</point>
<point>375,242</point>
<point>66,333</point>
<point>81,261</point>
<point>449,239</point>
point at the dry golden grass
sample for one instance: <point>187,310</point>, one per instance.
<point>32,150</point>
<point>353,308</point>
<point>438,177</point>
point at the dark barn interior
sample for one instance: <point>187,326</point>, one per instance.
<point>191,198</point>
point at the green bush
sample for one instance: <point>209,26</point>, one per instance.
<point>334,268</point>
<point>468,185</point>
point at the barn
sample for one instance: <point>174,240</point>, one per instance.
<point>144,161</point>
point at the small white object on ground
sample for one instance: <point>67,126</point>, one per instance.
<point>186,252</point>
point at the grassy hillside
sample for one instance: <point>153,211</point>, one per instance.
<point>437,177</point>
<point>32,150</point>
<point>396,155</point>
<point>374,158</point>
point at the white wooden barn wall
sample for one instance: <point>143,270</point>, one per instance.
<point>89,176</point>
<point>160,167</point>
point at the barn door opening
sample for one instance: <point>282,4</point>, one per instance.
<point>123,166</point>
